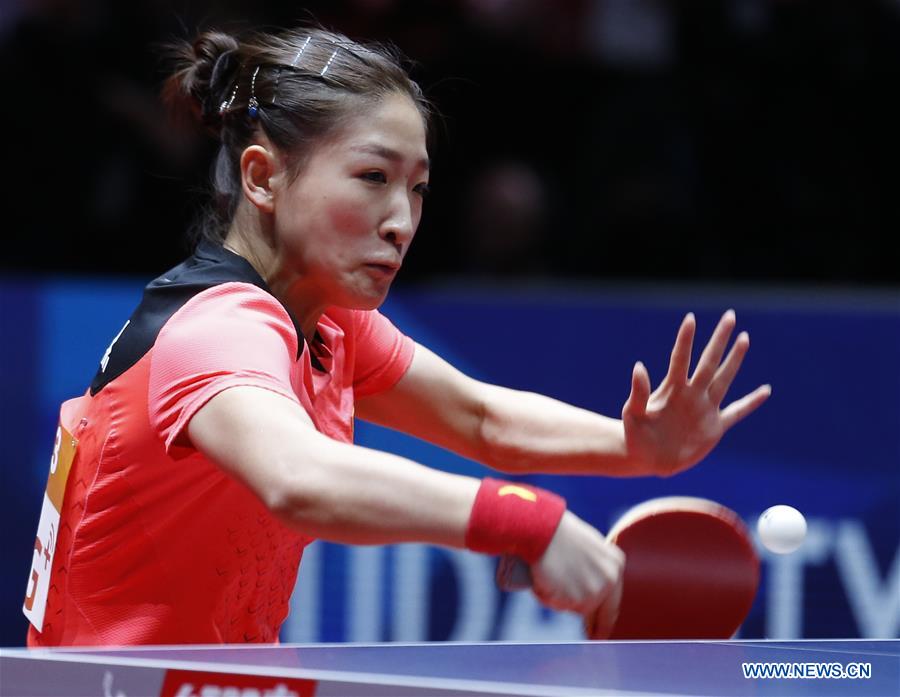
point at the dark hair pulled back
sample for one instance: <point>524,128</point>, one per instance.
<point>297,86</point>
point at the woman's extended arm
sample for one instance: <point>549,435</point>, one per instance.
<point>346,493</point>
<point>328,489</point>
<point>660,433</point>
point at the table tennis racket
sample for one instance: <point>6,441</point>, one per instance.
<point>691,571</point>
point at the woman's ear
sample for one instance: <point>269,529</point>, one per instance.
<point>258,167</point>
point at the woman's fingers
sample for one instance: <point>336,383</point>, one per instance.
<point>746,405</point>
<point>636,405</point>
<point>714,350</point>
<point>726,373</point>
<point>680,361</point>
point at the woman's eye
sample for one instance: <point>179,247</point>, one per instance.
<point>422,189</point>
<point>377,177</point>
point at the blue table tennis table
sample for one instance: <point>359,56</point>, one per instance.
<point>623,669</point>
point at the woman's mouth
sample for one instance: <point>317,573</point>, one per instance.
<point>385,270</point>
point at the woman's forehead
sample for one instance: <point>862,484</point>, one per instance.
<point>392,129</point>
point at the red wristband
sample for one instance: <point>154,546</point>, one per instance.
<point>513,519</point>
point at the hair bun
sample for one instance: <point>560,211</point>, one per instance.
<point>203,71</point>
<point>223,72</point>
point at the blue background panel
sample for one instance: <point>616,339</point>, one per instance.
<point>827,442</point>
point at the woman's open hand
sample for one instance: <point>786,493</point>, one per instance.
<point>675,426</point>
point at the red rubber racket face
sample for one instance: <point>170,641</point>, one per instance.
<point>691,571</point>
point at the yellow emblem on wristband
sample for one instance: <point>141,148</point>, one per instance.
<point>519,491</point>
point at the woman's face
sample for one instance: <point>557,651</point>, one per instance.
<point>345,223</point>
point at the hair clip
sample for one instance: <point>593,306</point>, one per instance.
<point>226,105</point>
<point>253,104</point>
<point>328,64</point>
<point>293,64</point>
<point>300,52</point>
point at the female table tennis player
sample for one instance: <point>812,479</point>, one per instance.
<point>216,439</point>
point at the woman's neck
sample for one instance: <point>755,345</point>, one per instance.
<point>269,264</point>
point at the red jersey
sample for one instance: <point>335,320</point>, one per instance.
<point>156,544</point>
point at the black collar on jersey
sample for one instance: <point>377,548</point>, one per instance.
<point>209,266</point>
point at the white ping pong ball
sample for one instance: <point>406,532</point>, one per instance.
<point>781,529</point>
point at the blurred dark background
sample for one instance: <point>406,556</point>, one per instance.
<point>738,140</point>
<point>697,143</point>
